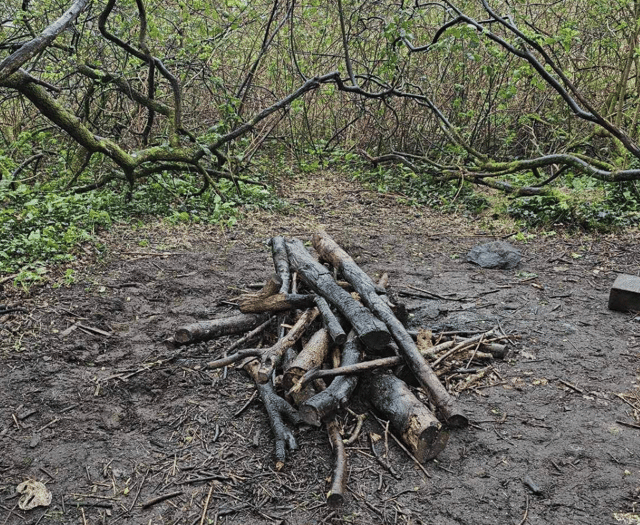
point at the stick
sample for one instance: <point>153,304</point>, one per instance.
<point>160,499</point>
<point>206,505</point>
<point>335,496</point>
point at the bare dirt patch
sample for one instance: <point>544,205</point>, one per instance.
<point>111,422</point>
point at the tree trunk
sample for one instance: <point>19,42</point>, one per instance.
<point>331,252</point>
<point>371,331</point>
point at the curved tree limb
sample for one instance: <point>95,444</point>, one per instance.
<point>30,49</point>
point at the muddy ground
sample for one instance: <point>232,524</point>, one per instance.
<point>111,420</point>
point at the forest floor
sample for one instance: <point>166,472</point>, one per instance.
<point>110,420</point>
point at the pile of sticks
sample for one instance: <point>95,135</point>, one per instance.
<point>352,338</point>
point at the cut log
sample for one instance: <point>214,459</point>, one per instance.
<point>275,303</point>
<point>328,402</point>
<point>276,408</point>
<point>418,428</point>
<point>330,322</point>
<point>206,330</point>
<point>312,355</point>
<point>447,406</point>
<point>371,331</point>
<point>281,262</point>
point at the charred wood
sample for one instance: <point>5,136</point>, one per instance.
<point>276,408</point>
<point>371,331</point>
<point>330,322</point>
<point>206,330</point>
<point>447,406</point>
<point>418,428</point>
<point>328,402</point>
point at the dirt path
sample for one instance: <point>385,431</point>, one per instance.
<point>110,422</point>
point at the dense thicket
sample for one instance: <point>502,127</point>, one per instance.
<point>474,91</point>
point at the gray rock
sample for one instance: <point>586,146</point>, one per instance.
<point>496,254</point>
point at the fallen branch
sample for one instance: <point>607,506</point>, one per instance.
<point>371,331</point>
<point>335,496</point>
<point>276,408</point>
<point>447,406</point>
<point>329,401</point>
<point>418,427</point>
<point>206,330</point>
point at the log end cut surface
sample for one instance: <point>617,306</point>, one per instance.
<point>431,442</point>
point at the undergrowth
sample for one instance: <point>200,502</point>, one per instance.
<point>576,203</point>
<point>42,225</point>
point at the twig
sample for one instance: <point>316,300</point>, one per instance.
<point>250,335</point>
<point>135,500</point>
<point>160,499</point>
<point>48,425</point>
<point>356,432</point>
<point>632,425</point>
<point>572,387</point>
<point>244,407</point>
<point>206,505</point>
<point>420,465</point>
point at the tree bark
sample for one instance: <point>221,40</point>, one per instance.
<point>276,408</point>
<point>206,330</point>
<point>419,429</point>
<point>312,356</point>
<point>281,262</point>
<point>447,406</point>
<point>329,401</point>
<point>371,331</point>
<point>330,322</point>
<point>275,303</point>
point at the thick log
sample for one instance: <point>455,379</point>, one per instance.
<point>371,331</point>
<point>272,357</point>
<point>281,262</point>
<point>312,355</point>
<point>206,330</point>
<point>276,408</point>
<point>275,303</point>
<point>335,496</point>
<point>325,404</point>
<point>447,406</point>
<point>418,428</point>
<point>330,322</point>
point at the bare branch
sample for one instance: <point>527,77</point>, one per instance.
<point>16,60</point>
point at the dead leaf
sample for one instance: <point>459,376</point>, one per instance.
<point>34,494</point>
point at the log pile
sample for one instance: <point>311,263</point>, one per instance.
<point>333,339</point>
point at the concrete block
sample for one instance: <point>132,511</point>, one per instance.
<point>625,294</point>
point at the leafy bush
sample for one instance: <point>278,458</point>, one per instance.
<point>592,209</point>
